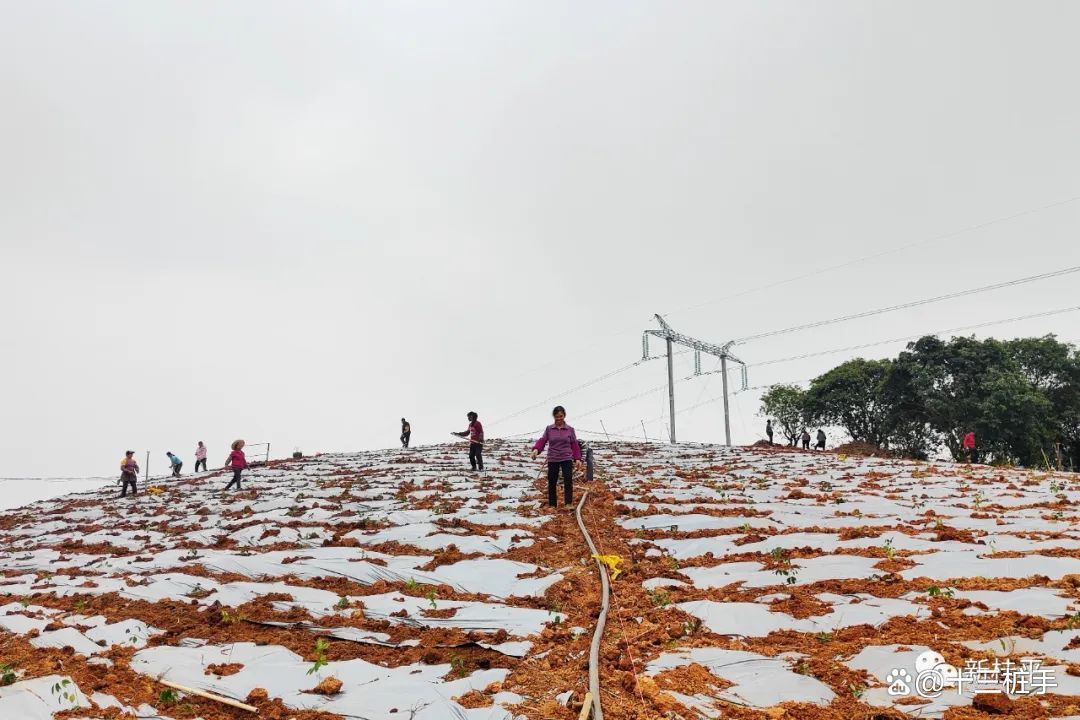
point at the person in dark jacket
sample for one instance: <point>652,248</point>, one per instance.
<point>805,439</point>
<point>129,472</point>
<point>768,430</point>
<point>820,439</point>
<point>563,451</point>
<point>475,433</point>
<point>406,432</point>
<point>236,462</point>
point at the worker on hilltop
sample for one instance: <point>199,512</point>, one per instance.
<point>969,447</point>
<point>236,462</point>
<point>129,472</point>
<point>564,451</point>
<point>769,430</point>
<point>820,440</point>
<point>200,457</point>
<point>175,463</point>
<point>406,432</point>
<point>475,433</point>
<point>805,439</point>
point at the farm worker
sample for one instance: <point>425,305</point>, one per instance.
<point>176,464</point>
<point>129,472</point>
<point>820,439</point>
<point>805,439</point>
<point>768,430</point>
<point>563,450</point>
<point>406,432</point>
<point>200,457</point>
<point>475,433</point>
<point>969,447</point>
<point>237,462</point>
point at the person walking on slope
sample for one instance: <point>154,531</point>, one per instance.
<point>563,451</point>
<point>237,462</point>
<point>176,464</point>
<point>406,432</point>
<point>129,472</point>
<point>820,440</point>
<point>200,457</point>
<point>475,433</point>
<point>805,439</point>
<point>768,430</point>
<point>970,449</point>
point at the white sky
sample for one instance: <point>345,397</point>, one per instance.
<point>297,222</point>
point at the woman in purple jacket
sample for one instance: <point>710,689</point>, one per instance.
<point>563,450</point>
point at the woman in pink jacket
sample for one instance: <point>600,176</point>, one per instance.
<point>563,450</point>
<point>237,462</point>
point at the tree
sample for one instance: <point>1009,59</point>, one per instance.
<point>1019,396</point>
<point>853,395</point>
<point>786,404</point>
<point>948,379</point>
<point>1017,420</point>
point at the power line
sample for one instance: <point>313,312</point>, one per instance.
<point>557,396</point>
<point>594,381</point>
<point>911,304</point>
<point>819,353</point>
<point>884,253</point>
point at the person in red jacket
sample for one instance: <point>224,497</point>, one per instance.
<point>475,433</point>
<point>563,451</point>
<point>969,447</point>
<point>237,462</point>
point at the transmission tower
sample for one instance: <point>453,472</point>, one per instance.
<point>667,333</point>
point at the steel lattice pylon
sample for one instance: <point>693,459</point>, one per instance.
<point>668,334</point>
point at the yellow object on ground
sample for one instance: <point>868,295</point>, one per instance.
<point>156,490</point>
<point>612,561</point>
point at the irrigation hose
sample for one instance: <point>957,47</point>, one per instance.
<point>594,650</point>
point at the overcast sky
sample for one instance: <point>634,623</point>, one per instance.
<point>297,222</point>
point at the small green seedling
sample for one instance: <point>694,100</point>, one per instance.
<point>321,646</point>
<point>660,598</point>
<point>935,591</point>
<point>63,691</point>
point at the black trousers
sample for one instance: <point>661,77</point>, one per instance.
<point>974,454</point>
<point>176,469</point>
<point>199,462</point>
<point>770,438</point>
<point>820,445</point>
<point>127,479</point>
<point>235,478</point>
<point>805,444</point>
<point>566,467</point>
<point>476,456</point>
<point>405,439</point>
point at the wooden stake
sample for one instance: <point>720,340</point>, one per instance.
<point>210,696</point>
<point>586,707</point>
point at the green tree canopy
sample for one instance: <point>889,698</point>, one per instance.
<point>786,404</point>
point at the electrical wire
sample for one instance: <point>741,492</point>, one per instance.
<point>963,328</point>
<point>884,253</point>
<point>911,304</point>
<point>584,385</point>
